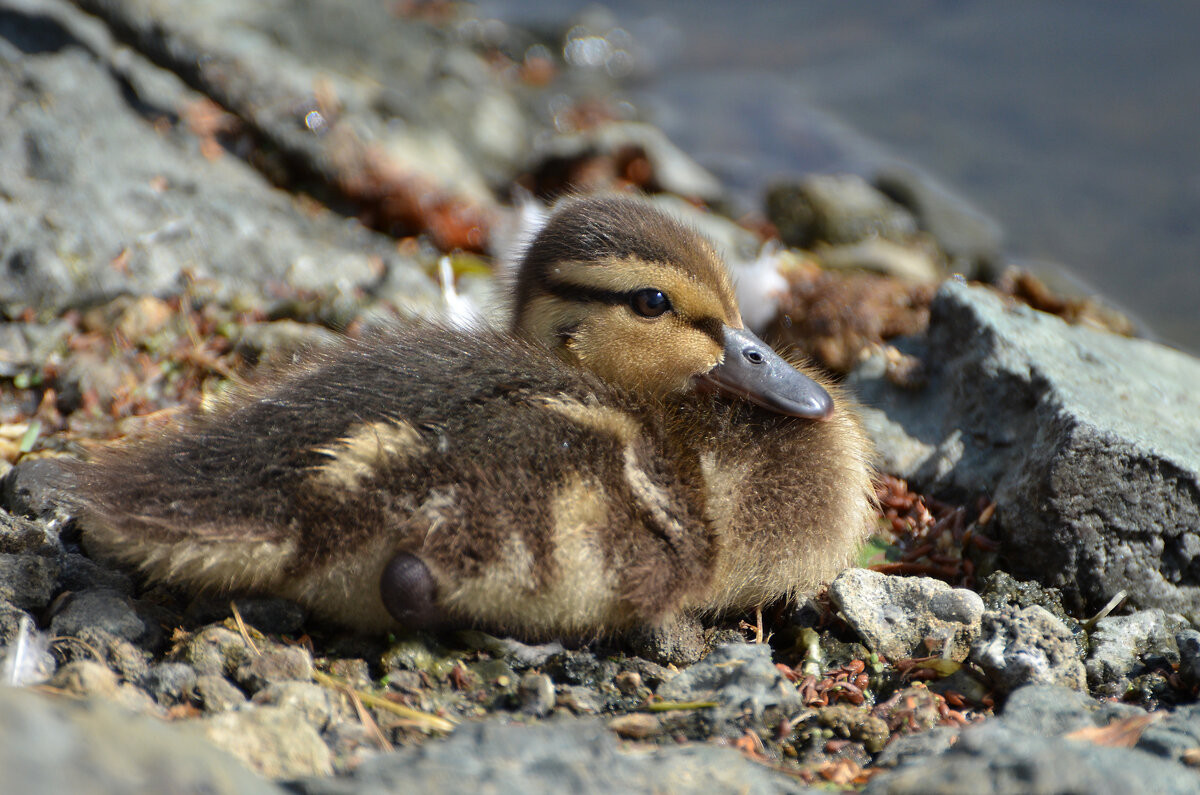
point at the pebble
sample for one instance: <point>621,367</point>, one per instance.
<point>275,742</point>
<point>319,706</point>
<point>738,677</point>
<point>274,664</point>
<point>169,683</point>
<point>904,617</point>
<point>108,611</point>
<point>1019,646</point>
<point>536,694</point>
<point>215,693</point>
<point>1122,646</point>
<point>1188,642</point>
<point>214,650</point>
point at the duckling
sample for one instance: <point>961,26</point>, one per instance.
<point>626,453</point>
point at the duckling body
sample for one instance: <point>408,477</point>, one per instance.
<point>577,476</point>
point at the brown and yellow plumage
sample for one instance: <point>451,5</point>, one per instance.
<point>594,470</point>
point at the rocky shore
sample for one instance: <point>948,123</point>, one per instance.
<point>189,193</point>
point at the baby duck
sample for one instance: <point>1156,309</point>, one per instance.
<point>626,453</point>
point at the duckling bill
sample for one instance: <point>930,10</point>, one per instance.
<point>626,452</point>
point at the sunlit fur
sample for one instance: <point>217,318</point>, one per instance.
<point>563,478</point>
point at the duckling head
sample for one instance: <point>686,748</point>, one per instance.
<point>623,290</point>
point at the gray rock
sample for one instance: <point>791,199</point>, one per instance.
<point>739,677</point>
<point>62,745</point>
<point>519,655</point>
<point>996,759</point>
<point>217,694</point>
<point>1188,642</point>
<point>572,755</point>
<point>1017,647</point>
<point>909,748</point>
<point>536,694</point>
<point>31,487</point>
<point>1050,710</point>
<point>272,741</point>
<point>169,683</point>
<point>214,650</point>
<point>81,573</point>
<point>149,200</point>
<point>86,678</point>
<point>127,660</point>
<point>1173,736</point>
<point>319,706</point>
<point>899,617</point>
<point>108,611</point>
<point>274,664</point>
<point>971,240</point>
<point>27,581</point>
<point>1088,442</point>
<point>1120,646</point>
<point>840,208</point>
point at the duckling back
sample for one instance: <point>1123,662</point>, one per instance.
<point>538,496</point>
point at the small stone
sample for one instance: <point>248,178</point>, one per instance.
<point>855,723</point>
<point>319,706</point>
<point>81,573</point>
<point>354,672</point>
<point>628,682</point>
<point>1027,646</point>
<point>678,642</point>
<point>903,617</point>
<point>840,208</point>
<point>1188,641</point>
<point>536,694</point>
<point>128,661</point>
<point>217,694</point>
<point>214,650</point>
<point>106,610</point>
<point>169,683</point>
<point>1122,645</point>
<point>32,486</point>
<point>85,678</point>
<point>737,677</point>
<point>27,581</point>
<point>275,742</point>
<point>275,664</point>
<point>636,725</point>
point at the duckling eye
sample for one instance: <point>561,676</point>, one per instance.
<point>650,302</point>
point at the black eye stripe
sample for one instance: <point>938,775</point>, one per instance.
<point>710,327</point>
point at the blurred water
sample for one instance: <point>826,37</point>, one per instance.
<point>1074,123</point>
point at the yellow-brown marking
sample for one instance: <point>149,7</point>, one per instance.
<point>359,455</point>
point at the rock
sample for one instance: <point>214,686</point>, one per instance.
<point>996,759</point>
<point>739,677</point>
<point>837,209</point>
<point>971,240</point>
<point>677,642</point>
<point>319,707</point>
<point>1176,737</point>
<point>214,650</point>
<point>1188,642</point>
<point>217,694</point>
<point>517,654</point>
<point>1026,646</point>
<point>1123,646</point>
<point>910,748</point>
<point>136,212</point>
<point>273,741</point>
<point>85,678</point>
<point>126,659</point>
<point>30,561</point>
<point>62,745</point>
<point>32,486</point>
<point>855,723</point>
<point>1086,441</point>
<point>81,573</point>
<point>274,664</point>
<point>576,755</point>
<point>169,683</point>
<point>1050,710</point>
<point>673,169</point>
<point>903,617</point>
<point>27,581</point>
<point>536,694</point>
<point>108,611</point>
